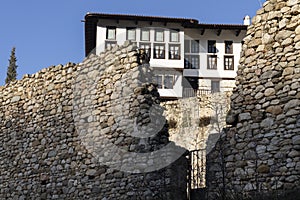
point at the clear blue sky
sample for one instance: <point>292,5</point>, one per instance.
<point>50,32</point>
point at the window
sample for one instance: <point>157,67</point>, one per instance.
<point>174,36</point>
<point>159,51</point>
<point>147,48</point>
<point>131,34</point>
<point>159,35</point>
<point>211,62</point>
<point>111,33</point>
<point>191,46</point>
<point>187,46</point>
<point>145,34</point>
<point>194,46</point>
<point>228,62</point>
<point>215,86</point>
<point>110,44</point>
<point>174,51</point>
<point>159,81</point>
<point>165,81</point>
<point>211,46</point>
<point>191,58</point>
<point>192,62</point>
<point>168,81</point>
<point>228,47</point>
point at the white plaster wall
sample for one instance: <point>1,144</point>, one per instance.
<point>225,85</point>
<point>177,88</point>
<point>121,38</point>
<point>165,64</point>
<point>100,39</point>
<point>220,45</point>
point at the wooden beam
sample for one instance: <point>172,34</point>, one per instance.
<point>237,32</point>
<point>202,31</point>
<point>219,32</point>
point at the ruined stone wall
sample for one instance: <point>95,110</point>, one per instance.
<point>89,131</point>
<point>261,151</point>
<point>195,123</point>
<point>192,120</point>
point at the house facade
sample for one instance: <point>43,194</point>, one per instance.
<point>188,57</point>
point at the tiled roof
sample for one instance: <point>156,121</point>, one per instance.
<point>218,26</point>
<point>139,18</point>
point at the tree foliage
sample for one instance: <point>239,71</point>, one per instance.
<point>11,74</point>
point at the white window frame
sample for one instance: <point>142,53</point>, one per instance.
<point>128,34</point>
<point>210,64</point>
<point>145,31</point>
<point>163,78</point>
<point>110,43</point>
<point>147,47</point>
<point>111,33</point>
<point>174,33</point>
<point>174,51</point>
<point>159,35</point>
<point>159,53</point>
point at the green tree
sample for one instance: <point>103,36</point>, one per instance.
<point>12,67</point>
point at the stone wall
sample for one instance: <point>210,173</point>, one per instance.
<point>195,123</point>
<point>261,150</point>
<point>89,131</point>
<point>192,120</point>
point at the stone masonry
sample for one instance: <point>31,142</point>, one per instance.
<point>192,120</point>
<point>260,152</point>
<point>94,130</point>
<point>196,123</point>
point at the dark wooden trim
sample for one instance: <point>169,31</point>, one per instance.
<point>202,31</point>
<point>237,32</point>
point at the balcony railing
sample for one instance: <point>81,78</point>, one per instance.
<point>190,92</point>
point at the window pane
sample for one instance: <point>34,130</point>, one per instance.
<point>168,82</point>
<point>111,34</point>
<point>195,46</point>
<point>194,62</point>
<point>110,44</point>
<point>159,35</point>
<point>228,47</point>
<point>228,62</point>
<point>211,46</point>
<point>187,62</point>
<point>187,46</point>
<point>174,51</point>
<point>174,36</point>
<point>158,81</point>
<point>159,51</point>
<point>131,34</point>
<point>212,62</point>
<point>145,35</point>
<point>147,48</point>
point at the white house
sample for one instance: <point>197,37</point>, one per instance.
<point>187,56</point>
